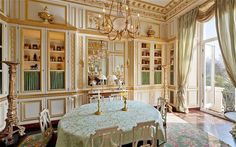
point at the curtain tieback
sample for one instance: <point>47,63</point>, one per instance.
<point>180,91</point>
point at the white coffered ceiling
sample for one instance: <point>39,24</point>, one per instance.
<point>157,2</point>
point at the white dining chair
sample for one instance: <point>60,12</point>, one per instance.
<point>162,107</point>
<point>107,137</point>
<point>147,131</point>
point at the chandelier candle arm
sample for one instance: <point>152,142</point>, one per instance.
<point>123,24</point>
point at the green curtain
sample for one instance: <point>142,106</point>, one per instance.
<point>157,78</point>
<point>171,78</point>
<point>145,78</point>
<point>31,80</point>
<point>226,29</point>
<point>57,80</point>
<point>187,26</point>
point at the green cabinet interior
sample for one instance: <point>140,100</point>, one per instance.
<point>32,80</point>
<point>57,80</point>
<point>172,97</point>
<point>171,78</point>
<point>157,78</point>
<point>145,78</point>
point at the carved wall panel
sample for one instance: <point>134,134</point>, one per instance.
<point>58,11</point>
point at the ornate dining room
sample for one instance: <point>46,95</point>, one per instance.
<point>117,73</point>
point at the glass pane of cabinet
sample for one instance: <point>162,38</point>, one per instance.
<point>145,63</point>
<point>157,63</point>
<point>56,60</point>
<point>31,59</point>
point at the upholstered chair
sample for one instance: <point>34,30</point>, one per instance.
<point>40,139</point>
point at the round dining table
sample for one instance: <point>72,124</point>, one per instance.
<point>76,127</point>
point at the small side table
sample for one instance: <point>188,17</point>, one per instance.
<point>232,116</point>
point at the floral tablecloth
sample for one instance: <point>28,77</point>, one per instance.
<point>75,128</point>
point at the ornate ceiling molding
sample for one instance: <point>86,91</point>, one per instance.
<point>146,9</point>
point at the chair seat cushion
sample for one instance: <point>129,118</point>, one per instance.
<point>34,140</point>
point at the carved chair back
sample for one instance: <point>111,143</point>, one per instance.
<point>107,137</point>
<point>45,124</point>
<point>147,133</point>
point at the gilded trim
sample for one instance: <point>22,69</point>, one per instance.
<point>3,7</point>
<point>22,60</point>
<point>29,96</point>
<point>65,60</point>
<point>37,24</point>
<point>22,110</point>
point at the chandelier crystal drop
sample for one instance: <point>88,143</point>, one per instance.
<point>117,21</point>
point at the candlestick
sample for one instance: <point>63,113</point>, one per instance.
<point>125,102</point>
<point>98,112</point>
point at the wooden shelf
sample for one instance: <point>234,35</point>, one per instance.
<point>145,48</point>
<point>57,70</point>
<point>56,62</point>
<point>57,51</point>
<point>31,70</point>
<point>145,56</point>
<point>32,61</point>
<point>32,50</point>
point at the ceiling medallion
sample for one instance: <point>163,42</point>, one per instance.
<point>121,24</point>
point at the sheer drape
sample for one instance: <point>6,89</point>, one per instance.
<point>226,30</point>
<point>187,27</point>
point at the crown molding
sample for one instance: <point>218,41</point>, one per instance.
<point>146,9</point>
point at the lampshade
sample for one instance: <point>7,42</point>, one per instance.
<point>102,77</point>
<point>112,77</point>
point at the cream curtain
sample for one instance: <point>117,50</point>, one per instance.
<point>226,30</point>
<point>206,11</point>
<point>187,25</point>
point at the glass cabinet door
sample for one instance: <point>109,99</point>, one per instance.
<point>157,63</point>
<point>31,59</point>
<point>145,63</point>
<point>56,60</point>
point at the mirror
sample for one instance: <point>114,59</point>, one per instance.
<point>105,62</point>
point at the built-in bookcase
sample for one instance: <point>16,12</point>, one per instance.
<point>31,59</point>
<point>145,63</point>
<point>56,60</point>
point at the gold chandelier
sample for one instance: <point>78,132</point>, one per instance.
<point>121,24</point>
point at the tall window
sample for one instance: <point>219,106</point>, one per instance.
<point>219,92</point>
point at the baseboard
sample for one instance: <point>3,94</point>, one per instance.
<point>196,109</point>
<point>36,126</point>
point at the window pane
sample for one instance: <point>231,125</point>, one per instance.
<point>209,29</point>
